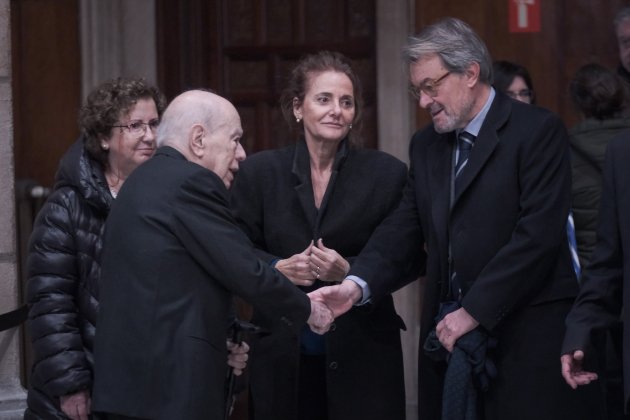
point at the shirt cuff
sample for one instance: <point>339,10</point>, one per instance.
<point>365,289</point>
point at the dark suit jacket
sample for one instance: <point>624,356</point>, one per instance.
<point>173,257</point>
<point>273,201</point>
<point>603,293</point>
<point>506,230</point>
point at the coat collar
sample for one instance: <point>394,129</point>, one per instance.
<point>170,152</point>
<point>301,169</point>
<point>79,171</point>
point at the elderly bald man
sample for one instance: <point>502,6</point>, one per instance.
<point>173,258</point>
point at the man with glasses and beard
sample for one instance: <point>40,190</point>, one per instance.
<point>484,210</point>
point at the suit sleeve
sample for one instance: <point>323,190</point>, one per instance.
<point>522,267</point>
<point>206,227</point>
<point>599,303</point>
<point>394,255</point>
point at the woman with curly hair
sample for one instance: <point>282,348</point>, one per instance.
<point>117,134</point>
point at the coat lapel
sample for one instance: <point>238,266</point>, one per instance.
<point>486,142</point>
<point>303,186</point>
<point>439,157</point>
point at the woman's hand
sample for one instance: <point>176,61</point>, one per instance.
<point>326,264</point>
<point>297,268</point>
<point>77,405</point>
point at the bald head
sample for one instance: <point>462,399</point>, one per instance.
<point>206,129</point>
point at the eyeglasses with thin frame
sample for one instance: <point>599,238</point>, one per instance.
<point>430,87</point>
<point>139,128</point>
<point>525,93</point>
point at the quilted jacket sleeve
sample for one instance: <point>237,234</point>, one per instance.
<point>60,366</point>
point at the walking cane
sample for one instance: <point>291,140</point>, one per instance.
<point>239,330</point>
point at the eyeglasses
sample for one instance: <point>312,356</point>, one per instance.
<point>139,128</point>
<point>525,93</point>
<point>430,87</point>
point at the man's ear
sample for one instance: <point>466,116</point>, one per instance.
<point>472,74</point>
<point>196,140</point>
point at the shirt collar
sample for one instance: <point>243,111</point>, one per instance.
<point>474,126</point>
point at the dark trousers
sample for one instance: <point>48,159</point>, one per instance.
<point>312,395</point>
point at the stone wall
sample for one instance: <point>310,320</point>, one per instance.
<point>12,395</point>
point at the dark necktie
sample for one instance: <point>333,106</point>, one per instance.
<point>465,142</point>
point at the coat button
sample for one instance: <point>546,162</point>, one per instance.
<point>333,365</point>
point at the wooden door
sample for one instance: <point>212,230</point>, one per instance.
<point>46,74</point>
<point>243,50</point>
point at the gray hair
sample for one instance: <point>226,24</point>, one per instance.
<point>455,43</point>
<point>622,14</point>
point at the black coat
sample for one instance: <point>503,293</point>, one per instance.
<point>506,231</point>
<point>173,257</point>
<point>63,276</point>
<point>273,201</point>
<point>604,294</point>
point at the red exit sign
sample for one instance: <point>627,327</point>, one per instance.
<point>524,15</point>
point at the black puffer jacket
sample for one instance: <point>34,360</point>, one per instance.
<point>63,270</point>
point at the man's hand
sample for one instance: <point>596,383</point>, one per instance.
<point>453,326</point>
<point>297,268</point>
<point>77,405</point>
<point>327,264</point>
<point>321,317</point>
<point>237,356</point>
<point>339,298</point>
<point>572,370</point>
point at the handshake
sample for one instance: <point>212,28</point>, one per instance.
<point>329,302</point>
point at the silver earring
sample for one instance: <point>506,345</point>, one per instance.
<point>350,126</point>
<point>298,119</point>
<point>105,146</point>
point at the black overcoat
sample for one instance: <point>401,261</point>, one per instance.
<point>506,230</point>
<point>173,257</point>
<point>273,201</point>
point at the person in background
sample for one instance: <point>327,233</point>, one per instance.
<point>488,192</point>
<point>601,98</point>
<point>118,125</point>
<point>622,32</point>
<point>514,80</point>
<point>603,293</point>
<point>310,208</point>
<point>173,259</point>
